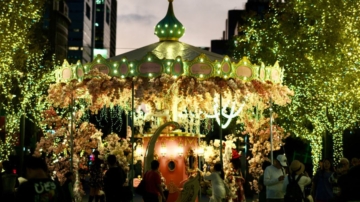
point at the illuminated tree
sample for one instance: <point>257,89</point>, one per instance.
<point>23,75</point>
<point>317,42</point>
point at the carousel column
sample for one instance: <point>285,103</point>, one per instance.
<point>71,133</point>
<point>132,137</point>
<point>221,135</point>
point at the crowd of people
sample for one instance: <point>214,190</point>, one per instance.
<point>329,184</point>
<point>109,182</point>
<point>39,186</point>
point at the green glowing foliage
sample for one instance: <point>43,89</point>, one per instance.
<point>23,75</point>
<point>317,42</point>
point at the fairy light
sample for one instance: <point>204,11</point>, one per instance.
<point>22,77</point>
<point>319,49</point>
<point>233,114</point>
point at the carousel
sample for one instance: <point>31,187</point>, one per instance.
<point>172,95</point>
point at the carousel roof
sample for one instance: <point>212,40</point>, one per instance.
<point>168,50</point>
<point>172,57</point>
<point>169,30</point>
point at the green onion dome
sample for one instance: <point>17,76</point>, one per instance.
<point>169,28</point>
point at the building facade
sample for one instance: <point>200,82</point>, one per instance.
<point>55,25</point>
<point>92,30</point>
<point>235,19</point>
<point>80,31</point>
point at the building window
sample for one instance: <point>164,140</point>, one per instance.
<point>88,11</point>
<point>76,30</point>
<point>74,48</point>
<point>99,1</point>
<point>107,15</point>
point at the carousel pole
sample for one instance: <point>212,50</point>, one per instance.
<point>132,136</point>
<point>71,133</point>
<point>271,133</point>
<point>221,130</point>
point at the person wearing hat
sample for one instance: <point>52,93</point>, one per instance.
<point>273,179</point>
<point>239,180</point>
<point>296,169</point>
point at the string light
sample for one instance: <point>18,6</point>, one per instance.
<point>317,42</point>
<point>23,78</point>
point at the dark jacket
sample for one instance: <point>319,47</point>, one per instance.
<point>67,190</point>
<point>350,184</point>
<point>39,190</point>
<point>113,181</point>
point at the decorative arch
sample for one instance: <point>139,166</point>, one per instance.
<point>149,153</point>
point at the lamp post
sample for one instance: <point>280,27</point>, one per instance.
<point>271,133</point>
<point>221,135</point>
<point>71,133</point>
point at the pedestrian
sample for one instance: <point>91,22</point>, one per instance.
<point>217,183</point>
<point>273,179</point>
<point>297,173</point>
<point>355,161</point>
<point>321,187</point>
<point>153,188</point>
<point>68,187</point>
<point>349,184</point>
<point>239,179</point>
<point>9,182</point>
<point>38,187</point>
<point>341,169</point>
<point>262,187</point>
<point>114,179</point>
<point>95,181</point>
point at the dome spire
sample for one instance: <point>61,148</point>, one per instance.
<point>169,28</point>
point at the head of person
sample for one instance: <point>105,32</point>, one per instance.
<point>6,165</point>
<point>36,168</point>
<point>69,176</point>
<point>344,164</point>
<point>218,168</point>
<point>327,165</point>
<point>96,154</point>
<point>155,165</point>
<point>355,161</point>
<point>111,160</point>
<point>280,161</point>
<point>265,164</point>
<point>296,167</point>
<point>235,160</point>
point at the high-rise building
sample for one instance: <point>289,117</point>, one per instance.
<point>235,19</point>
<point>113,28</point>
<point>92,30</point>
<point>55,25</point>
<point>103,33</point>
<point>80,31</point>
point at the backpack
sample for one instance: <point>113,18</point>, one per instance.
<point>293,190</point>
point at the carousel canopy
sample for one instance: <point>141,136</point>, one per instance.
<point>172,57</point>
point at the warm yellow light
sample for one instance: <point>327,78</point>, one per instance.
<point>200,151</point>
<point>139,151</point>
<point>180,150</point>
<point>163,150</point>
